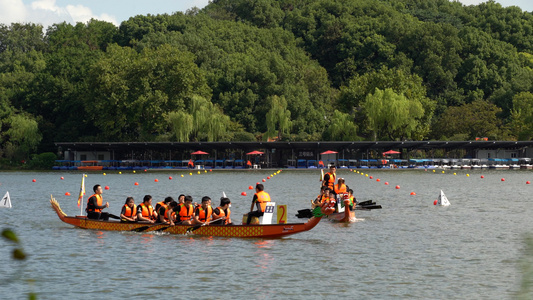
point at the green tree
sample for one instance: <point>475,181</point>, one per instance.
<point>341,128</point>
<point>391,116</point>
<point>521,122</point>
<point>19,136</point>
<point>278,118</point>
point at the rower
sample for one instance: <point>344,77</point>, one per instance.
<point>184,211</point>
<point>145,211</point>
<point>202,214</point>
<point>129,211</point>
<point>161,208</point>
<point>222,213</point>
<point>352,199</point>
<point>164,202</point>
<point>95,204</point>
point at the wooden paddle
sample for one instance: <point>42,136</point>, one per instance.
<point>191,229</point>
<point>144,228</point>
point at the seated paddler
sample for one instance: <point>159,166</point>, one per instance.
<point>203,213</point>
<point>95,205</point>
<point>145,210</point>
<point>184,211</point>
<point>222,214</point>
<point>129,211</point>
<point>260,200</point>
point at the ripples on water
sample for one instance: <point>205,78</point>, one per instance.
<point>409,249</point>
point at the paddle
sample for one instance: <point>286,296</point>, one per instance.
<point>144,228</point>
<point>191,229</point>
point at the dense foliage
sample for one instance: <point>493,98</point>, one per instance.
<point>284,69</point>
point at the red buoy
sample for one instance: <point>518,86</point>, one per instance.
<point>378,180</point>
<point>243,194</point>
<point>156,180</point>
<point>386,183</point>
<point>62,178</point>
<point>503,179</point>
<point>527,182</point>
<point>435,202</point>
<point>106,187</point>
<point>169,177</point>
<point>145,170</point>
<point>482,176</point>
<point>371,177</point>
<point>268,177</point>
<point>413,194</point>
<point>34,180</point>
<point>136,183</point>
<point>397,187</point>
<point>264,180</point>
<point>67,194</point>
<point>250,187</point>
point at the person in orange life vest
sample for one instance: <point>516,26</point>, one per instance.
<point>318,199</point>
<point>168,213</point>
<point>203,213</point>
<point>181,199</point>
<point>161,209</point>
<point>222,213</point>
<point>190,165</point>
<point>145,210</point>
<point>248,164</point>
<point>320,164</point>
<point>260,199</point>
<point>95,204</point>
<point>340,187</point>
<point>329,177</point>
<point>184,211</point>
<point>164,202</point>
<point>129,211</point>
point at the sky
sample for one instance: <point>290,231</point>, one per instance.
<point>48,12</point>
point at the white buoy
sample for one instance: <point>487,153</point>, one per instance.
<point>443,200</point>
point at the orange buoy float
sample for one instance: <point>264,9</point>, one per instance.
<point>435,202</point>
<point>386,183</point>
<point>503,179</point>
<point>243,194</point>
<point>62,177</point>
<point>527,182</point>
<point>482,176</point>
<point>371,177</point>
<point>67,194</point>
<point>169,177</point>
<point>268,177</point>
<point>264,180</point>
<point>413,194</point>
<point>145,170</point>
<point>107,187</point>
<point>156,180</point>
<point>250,187</point>
<point>136,183</point>
<point>397,187</point>
<point>378,180</point>
<point>34,180</point>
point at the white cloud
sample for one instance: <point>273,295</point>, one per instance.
<point>47,12</point>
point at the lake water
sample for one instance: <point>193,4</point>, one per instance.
<point>409,249</point>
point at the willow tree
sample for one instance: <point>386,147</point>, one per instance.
<point>522,116</point>
<point>341,128</point>
<point>201,120</point>
<point>278,118</point>
<point>392,116</point>
<point>20,137</point>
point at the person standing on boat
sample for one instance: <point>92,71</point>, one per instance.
<point>202,214</point>
<point>145,211</point>
<point>222,213</point>
<point>95,204</point>
<point>260,200</point>
<point>330,177</point>
<point>129,211</point>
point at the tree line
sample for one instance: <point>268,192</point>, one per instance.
<point>240,70</point>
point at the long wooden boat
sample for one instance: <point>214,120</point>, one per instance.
<point>241,231</point>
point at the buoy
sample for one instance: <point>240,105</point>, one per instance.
<point>366,175</point>
<point>482,176</point>
<point>85,175</point>
<point>503,179</point>
<point>134,171</point>
<point>527,182</point>
<point>67,194</point>
<point>181,175</point>
<point>119,172</point>
<point>442,172</point>
<point>433,171</point>
<point>268,177</point>
<point>386,183</point>
<point>105,174</point>
<point>34,180</point>
<point>250,187</point>
<point>145,170</point>
<point>198,172</point>
<point>243,194</point>
<point>205,171</point>
<point>136,183</point>
<point>257,183</point>
<point>169,177</point>
<point>454,173</point>
<point>264,180</point>
<point>62,178</point>
<point>435,202</point>
<point>371,177</point>
<point>413,194</point>
<point>467,175</point>
<point>378,180</point>
<point>397,187</point>
<point>190,174</point>
<point>156,180</point>
<point>107,187</point>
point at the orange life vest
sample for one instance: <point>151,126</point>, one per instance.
<point>262,198</point>
<point>222,214</point>
<point>147,211</point>
<point>162,210</point>
<point>324,198</point>
<point>204,214</point>
<point>341,189</point>
<point>185,213</point>
<point>129,212</point>
<point>331,182</point>
<point>99,202</point>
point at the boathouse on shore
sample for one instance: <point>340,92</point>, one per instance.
<point>285,154</point>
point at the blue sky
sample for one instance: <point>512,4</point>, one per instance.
<point>48,12</point>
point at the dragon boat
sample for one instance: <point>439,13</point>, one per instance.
<point>240,231</point>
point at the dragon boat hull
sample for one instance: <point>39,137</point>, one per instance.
<point>240,231</point>
<point>343,217</point>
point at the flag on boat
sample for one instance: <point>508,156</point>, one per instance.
<point>6,201</point>
<point>443,200</point>
<point>82,189</point>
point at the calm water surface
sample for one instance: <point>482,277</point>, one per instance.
<point>409,249</point>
